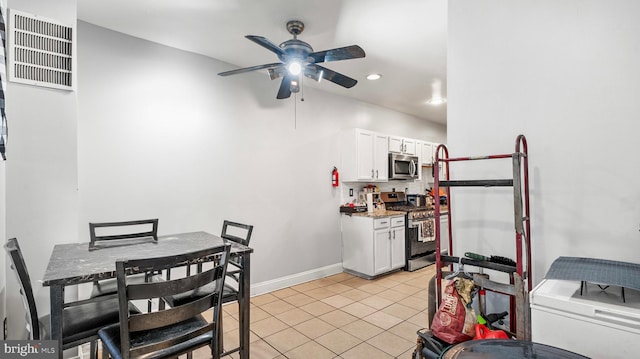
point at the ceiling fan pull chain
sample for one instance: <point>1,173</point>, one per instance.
<point>301,87</point>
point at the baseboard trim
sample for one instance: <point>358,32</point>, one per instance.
<point>298,278</point>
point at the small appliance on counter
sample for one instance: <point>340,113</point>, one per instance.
<point>420,200</point>
<point>442,196</point>
<point>352,208</point>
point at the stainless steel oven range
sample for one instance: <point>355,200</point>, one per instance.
<point>420,244</point>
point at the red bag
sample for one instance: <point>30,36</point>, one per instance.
<point>453,322</point>
<point>482,332</point>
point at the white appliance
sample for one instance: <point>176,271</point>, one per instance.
<point>597,324</point>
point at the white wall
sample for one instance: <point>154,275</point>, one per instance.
<point>41,170</point>
<point>565,74</point>
<point>161,135</point>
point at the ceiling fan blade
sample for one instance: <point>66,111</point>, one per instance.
<point>276,72</point>
<point>342,53</point>
<point>336,77</point>
<point>262,41</point>
<point>252,68</point>
<point>285,88</point>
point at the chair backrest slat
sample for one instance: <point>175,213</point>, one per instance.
<point>180,285</point>
<point>124,234</point>
<point>246,229</point>
<point>153,320</point>
<point>26,290</point>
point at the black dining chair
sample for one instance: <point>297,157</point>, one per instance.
<point>116,238</point>
<point>239,233</point>
<point>80,320</point>
<point>174,331</point>
<point>234,232</point>
<point>121,233</point>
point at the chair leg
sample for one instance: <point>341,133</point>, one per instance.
<point>216,350</point>
<point>94,349</point>
<point>105,353</point>
<point>219,335</point>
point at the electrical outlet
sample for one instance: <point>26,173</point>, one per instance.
<point>350,192</point>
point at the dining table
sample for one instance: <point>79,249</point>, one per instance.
<point>72,264</point>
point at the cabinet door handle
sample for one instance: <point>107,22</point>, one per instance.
<point>376,173</point>
<point>389,235</point>
<point>372,173</point>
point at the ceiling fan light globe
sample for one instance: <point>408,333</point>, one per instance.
<point>294,68</point>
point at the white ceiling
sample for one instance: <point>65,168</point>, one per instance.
<point>404,40</point>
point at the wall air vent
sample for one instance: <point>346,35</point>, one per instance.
<point>40,51</point>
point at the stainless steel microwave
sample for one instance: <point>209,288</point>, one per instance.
<point>403,166</point>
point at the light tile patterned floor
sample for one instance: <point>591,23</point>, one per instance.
<point>341,316</point>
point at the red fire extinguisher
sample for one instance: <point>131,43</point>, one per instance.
<point>334,177</point>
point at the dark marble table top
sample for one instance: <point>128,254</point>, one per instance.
<point>73,263</point>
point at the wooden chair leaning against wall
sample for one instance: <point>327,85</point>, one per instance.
<point>174,331</point>
<point>81,320</point>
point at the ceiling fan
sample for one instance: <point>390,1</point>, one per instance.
<point>298,59</point>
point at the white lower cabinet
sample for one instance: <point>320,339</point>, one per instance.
<point>372,246</point>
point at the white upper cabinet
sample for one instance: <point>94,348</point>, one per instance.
<point>403,145</point>
<point>395,144</point>
<point>409,147</point>
<point>364,156</point>
<point>426,153</point>
<point>381,157</point>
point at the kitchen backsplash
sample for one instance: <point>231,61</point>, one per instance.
<point>399,186</point>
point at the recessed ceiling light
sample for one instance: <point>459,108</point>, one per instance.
<point>436,101</point>
<point>373,76</point>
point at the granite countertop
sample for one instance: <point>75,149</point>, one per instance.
<point>380,214</point>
